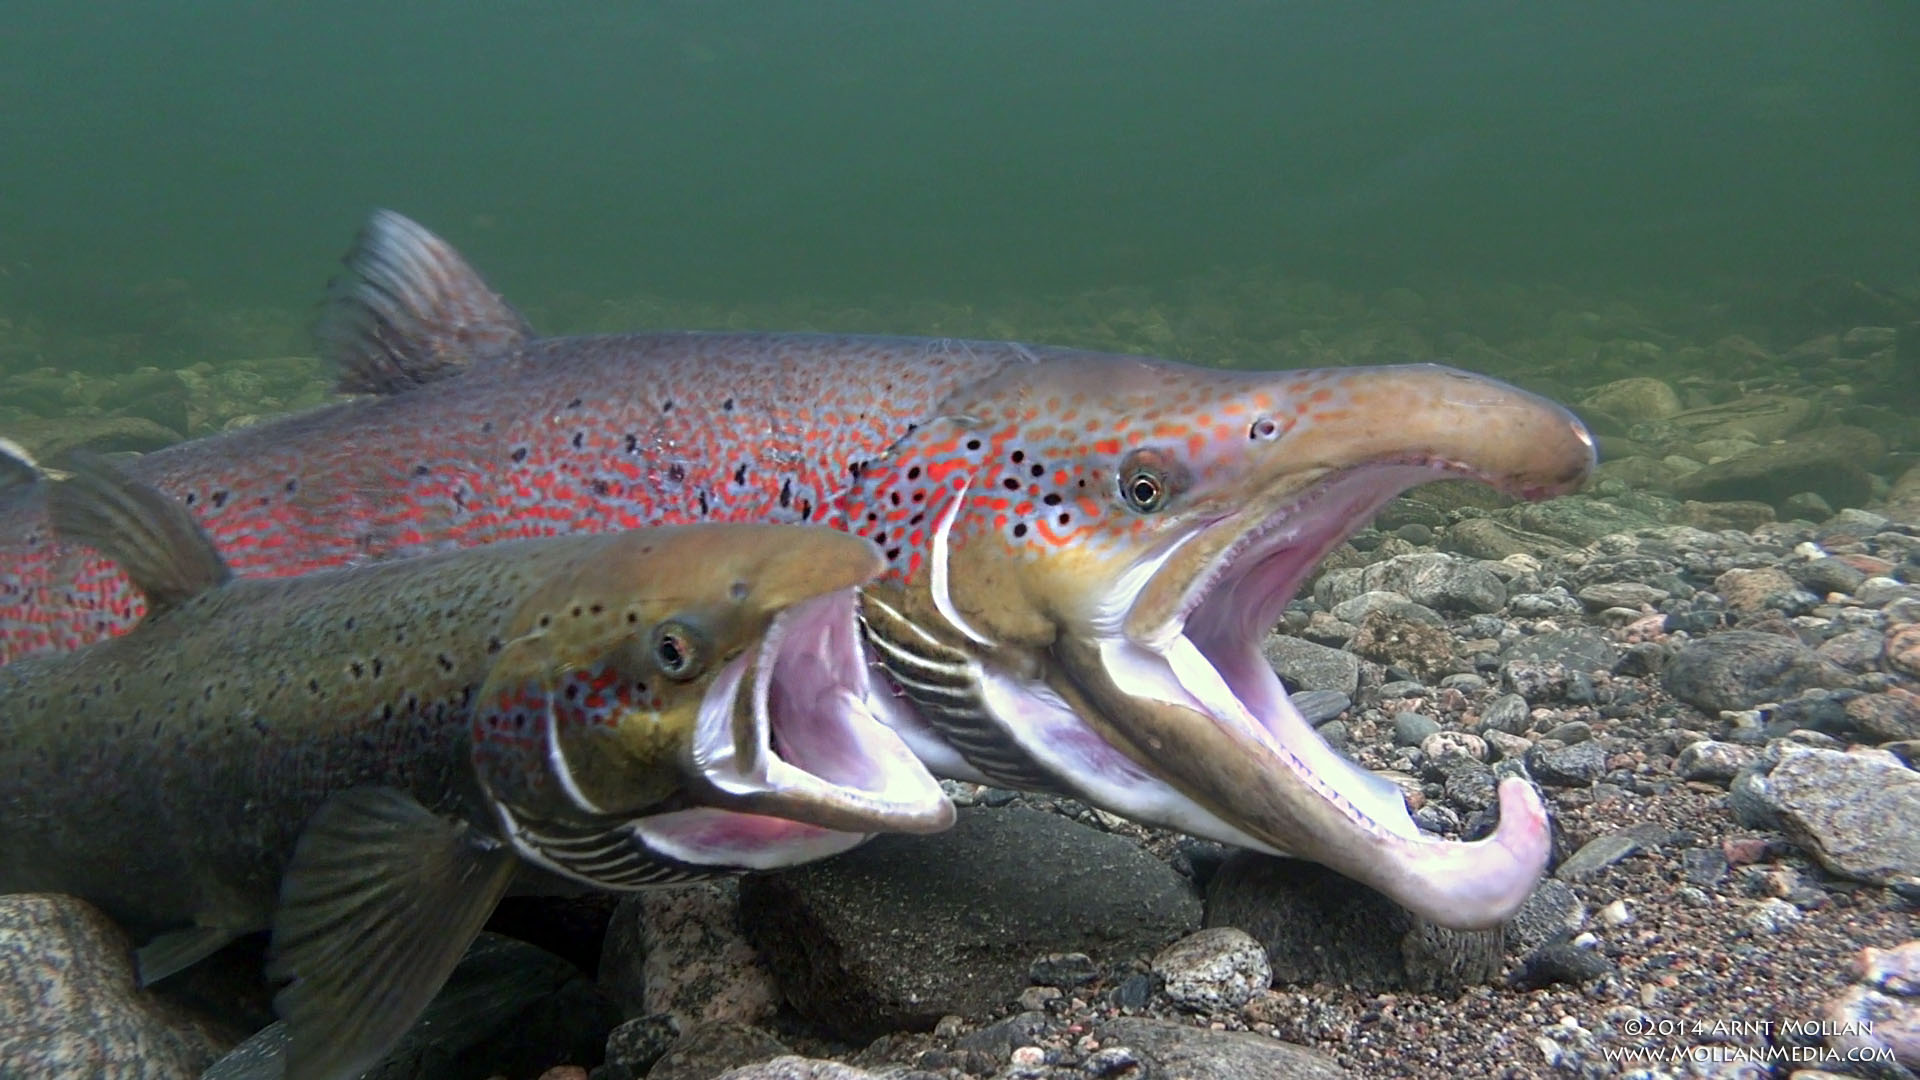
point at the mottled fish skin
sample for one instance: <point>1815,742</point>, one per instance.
<point>165,774</point>
<point>567,435</point>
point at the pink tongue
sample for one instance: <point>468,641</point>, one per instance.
<point>729,839</point>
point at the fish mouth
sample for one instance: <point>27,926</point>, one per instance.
<point>1188,685</point>
<point>783,733</point>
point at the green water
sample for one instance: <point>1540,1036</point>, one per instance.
<point>750,151</point>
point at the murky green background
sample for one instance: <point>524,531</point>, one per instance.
<point>1560,193</point>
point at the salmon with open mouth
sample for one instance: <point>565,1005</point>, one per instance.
<point>1107,546</point>
<point>1083,550</point>
<point>365,760</point>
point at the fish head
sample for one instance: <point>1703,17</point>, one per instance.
<point>1098,548</point>
<point>647,690</point>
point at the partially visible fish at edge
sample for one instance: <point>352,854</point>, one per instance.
<point>1083,550</point>
<point>363,759</point>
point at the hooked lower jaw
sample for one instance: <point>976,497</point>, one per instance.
<point>1199,699</point>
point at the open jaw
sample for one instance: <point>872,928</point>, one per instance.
<point>1198,695</point>
<point>787,762</point>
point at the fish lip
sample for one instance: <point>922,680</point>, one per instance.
<point>778,736</point>
<point>1230,606</point>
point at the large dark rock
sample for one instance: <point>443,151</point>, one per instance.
<point>1318,926</point>
<point>905,930</point>
<point>1739,669</point>
<point>1772,473</point>
<point>1175,1050</point>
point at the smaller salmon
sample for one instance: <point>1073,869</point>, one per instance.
<point>363,759</point>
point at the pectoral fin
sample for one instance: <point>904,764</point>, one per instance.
<point>379,902</point>
<point>178,950</point>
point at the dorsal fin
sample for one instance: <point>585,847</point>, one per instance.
<point>154,539</point>
<point>410,311</point>
<point>18,470</point>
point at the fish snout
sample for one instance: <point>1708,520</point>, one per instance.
<point>1456,421</point>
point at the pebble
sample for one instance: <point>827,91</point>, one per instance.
<point>1412,729</point>
<point>1561,962</point>
<point>1716,762</point>
<point>1568,766</point>
<point>1507,713</point>
<point>1215,970</point>
<point>1608,848</point>
<point>1442,744</point>
<point>1773,915</point>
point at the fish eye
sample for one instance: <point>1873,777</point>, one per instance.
<point>1143,490</point>
<point>678,651</point>
<point>1263,429</point>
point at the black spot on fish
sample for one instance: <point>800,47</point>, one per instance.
<point>786,493</point>
<point>574,404</point>
<point>192,497</point>
<point>421,470</point>
<point>740,474</point>
<point>973,444</point>
<point>486,428</point>
<point>1020,529</point>
<point>219,498</point>
<point>572,691</point>
<point>596,609</point>
<point>519,453</point>
<point>676,472</point>
<point>1019,456</point>
<point>1065,517</point>
<point>667,405</point>
<point>546,620</point>
<point>893,497</point>
<point>703,503</point>
<point>349,624</point>
<point>916,519</point>
<point>1010,484</point>
<point>445,662</point>
<point>601,488</point>
<point>727,405</point>
<point>576,611</point>
<point>1051,498</point>
<point>357,669</point>
<point>633,444</point>
<point>579,439</point>
<point>1038,469</point>
<point>893,554</point>
<point>292,486</point>
<point>313,686</point>
<point>378,666</point>
<point>494,645</point>
<point>913,473</point>
<point>806,509</point>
